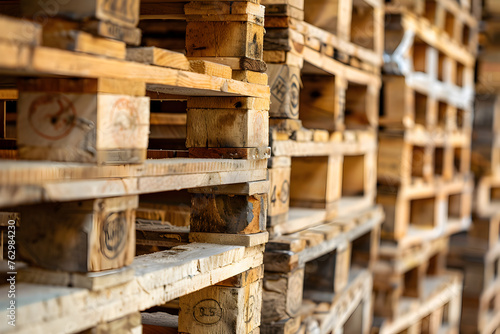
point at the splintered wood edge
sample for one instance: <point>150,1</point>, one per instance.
<point>246,240</point>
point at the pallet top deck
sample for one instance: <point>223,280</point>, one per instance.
<point>44,61</point>
<point>28,182</point>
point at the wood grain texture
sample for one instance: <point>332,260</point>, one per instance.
<point>222,309</point>
<point>80,127</point>
<point>237,214</point>
<point>227,128</point>
<point>80,236</point>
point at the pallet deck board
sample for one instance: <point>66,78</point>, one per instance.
<point>159,277</point>
<point>52,181</point>
<point>32,61</point>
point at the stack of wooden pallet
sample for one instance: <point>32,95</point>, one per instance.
<point>83,106</point>
<point>324,59</point>
<point>424,181</point>
<point>477,252</point>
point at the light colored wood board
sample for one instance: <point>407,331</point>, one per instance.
<point>210,68</point>
<point>42,60</point>
<point>251,77</point>
<point>79,41</point>
<point>247,240</point>
<point>227,128</point>
<point>106,122</point>
<point>92,281</point>
<point>20,31</point>
<point>26,172</point>
<point>120,12</point>
<point>224,39</point>
<point>160,57</point>
<point>80,190</point>
<point>310,149</point>
<point>235,310</point>
<point>159,277</point>
<point>235,63</point>
<point>91,86</point>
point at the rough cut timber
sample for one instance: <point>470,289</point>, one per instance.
<point>66,35</point>
<point>284,82</point>
<point>231,33</point>
<point>11,28</point>
<point>120,12</point>
<point>231,306</point>
<point>83,236</point>
<point>234,214</point>
<point>71,120</point>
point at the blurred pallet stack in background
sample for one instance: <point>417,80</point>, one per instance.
<point>424,179</point>
<point>324,59</point>
<point>477,252</point>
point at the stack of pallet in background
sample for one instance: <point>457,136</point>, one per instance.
<point>324,59</point>
<point>85,108</point>
<point>424,181</point>
<point>477,252</point>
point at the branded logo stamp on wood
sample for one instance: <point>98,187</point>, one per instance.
<point>52,116</point>
<point>208,312</point>
<point>114,236</point>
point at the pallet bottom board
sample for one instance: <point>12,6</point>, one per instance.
<point>159,277</point>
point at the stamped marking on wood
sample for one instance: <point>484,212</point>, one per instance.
<point>114,234</point>
<point>249,310</point>
<point>52,116</point>
<point>282,88</point>
<point>207,312</point>
<point>282,194</point>
<point>125,116</point>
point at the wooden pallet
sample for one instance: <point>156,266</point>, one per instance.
<point>175,273</point>
<point>420,157</point>
<point>437,312</point>
<point>320,175</point>
<point>356,34</point>
<point>102,130</point>
<point>478,256</point>
<point>426,210</point>
<point>319,76</point>
<point>401,272</point>
<point>458,21</point>
<point>320,264</point>
<point>429,105</point>
<point>427,56</point>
